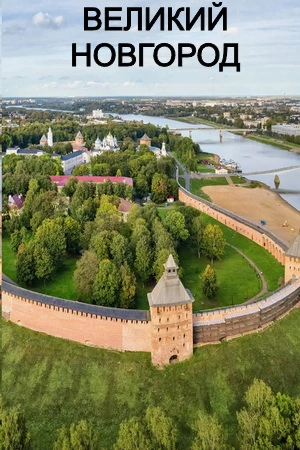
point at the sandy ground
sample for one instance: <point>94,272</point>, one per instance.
<point>259,204</point>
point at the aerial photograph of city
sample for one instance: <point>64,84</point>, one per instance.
<point>150,225</point>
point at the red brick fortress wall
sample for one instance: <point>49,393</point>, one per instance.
<point>243,226</point>
<point>213,326</point>
<point>72,320</point>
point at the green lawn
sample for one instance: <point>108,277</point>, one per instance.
<point>207,155</point>
<point>266,263</point>
<point>182,181</point>
<point>58,382</point>
<point>62,285</point>
<point>8,258</point>
<point>196,184</point>
<point>236,179</point>
<point>202,168</point>
<point>237,280</point>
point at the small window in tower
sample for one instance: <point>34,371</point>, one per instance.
<point>167,319</point>
<point>173,338</point>
<point>158,329</point>
<point>159,320</point>
<point>178,317</point>
<point>159,339</point>
<point>173,270</point>
<point>183,336</point>
<point>183,345</point>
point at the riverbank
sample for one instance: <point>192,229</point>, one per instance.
<point>197,120</point>
<point>258,204</point>
<point>284,145</point>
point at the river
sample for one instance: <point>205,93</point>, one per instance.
<point>252,156</point>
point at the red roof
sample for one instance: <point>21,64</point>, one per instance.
<point>18,200</point>
<point>61,180</point>
<point>78,147</point>
<point>125,205</point>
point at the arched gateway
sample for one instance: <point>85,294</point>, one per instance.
<point>171,318</point>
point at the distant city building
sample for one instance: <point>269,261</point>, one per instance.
<point>98,114</point>
<point>61,180</point>
<point>290,129</point>
<point>16,201</point>
<point>221,170</point>
<point>252,123</point>
<point>158,152</point>
<point>27,152</point>
<point>72,160</point>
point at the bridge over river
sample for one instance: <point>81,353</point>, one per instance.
<point>265,172</point>
<point>173,130</point>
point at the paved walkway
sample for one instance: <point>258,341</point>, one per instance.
<point>264,289</point>
<point>186,175</point>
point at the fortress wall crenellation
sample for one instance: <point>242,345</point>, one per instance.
<point>251,230</point>
<point>133,330</point>
<point>235,321</point>
<point>99,330</point>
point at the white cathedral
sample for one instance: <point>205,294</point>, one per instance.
<point>108,143</point>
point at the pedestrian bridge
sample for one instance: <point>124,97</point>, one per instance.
<point>282,169</point>
<point>173,130</point>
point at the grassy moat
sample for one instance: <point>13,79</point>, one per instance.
<point>58,382</point>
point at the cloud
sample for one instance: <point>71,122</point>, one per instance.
<point>128,84</point>
<point>51,85</point>
<point>13,28</point>
<point>232,30</point>
<point>46,20</point>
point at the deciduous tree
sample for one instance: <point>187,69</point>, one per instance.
<point>175,224</point>
<point>85,274</point>
<point>25,264</point>
<point>106,285</point>
<point>209,282</point>
<point>209,434</point>
<point>80,436</point>
<point>13,430</point>
<point>213,242</point>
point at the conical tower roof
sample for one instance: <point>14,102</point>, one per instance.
<point>43,138</point>
<point>146,137</point>
<point>294,250</point>
<point>79,135</point>
<point>170,264</point>
<point>169,290</point>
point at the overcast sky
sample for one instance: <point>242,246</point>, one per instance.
<point>38,35</point>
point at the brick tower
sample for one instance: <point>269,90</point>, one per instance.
<point>79,139</point>
<point>292,261</point>
<point>145,140</point>
<point>171,317</point>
